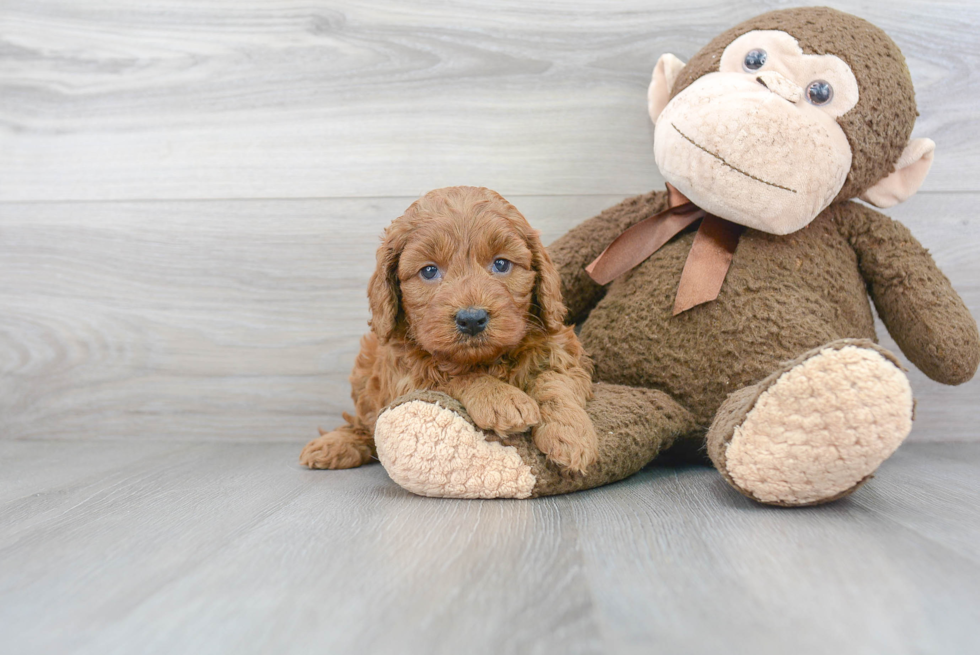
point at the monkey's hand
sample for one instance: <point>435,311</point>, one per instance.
<point>917,303</point>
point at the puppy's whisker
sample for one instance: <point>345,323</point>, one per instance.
<point>535,319</point>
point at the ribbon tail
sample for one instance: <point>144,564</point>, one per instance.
<point>636,244</point>
<point>708,262</point>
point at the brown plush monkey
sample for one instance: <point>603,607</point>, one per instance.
<point>750,329</point>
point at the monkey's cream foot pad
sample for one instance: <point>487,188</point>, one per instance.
<point>822,427</point>
<point>433,451</point>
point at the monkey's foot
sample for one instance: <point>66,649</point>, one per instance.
<point>815,430</point>
<point>432,450</point>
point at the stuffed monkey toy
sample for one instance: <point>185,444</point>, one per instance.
<point>731,315</point>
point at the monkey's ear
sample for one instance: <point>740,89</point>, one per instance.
<point>664,74</point>
<point>910,172</point>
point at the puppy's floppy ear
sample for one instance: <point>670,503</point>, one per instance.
<point>547,289</point>
<point>384,296</point>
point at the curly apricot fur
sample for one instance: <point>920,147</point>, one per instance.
<point>526,370</point>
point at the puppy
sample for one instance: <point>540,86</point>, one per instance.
<point>465,300</point>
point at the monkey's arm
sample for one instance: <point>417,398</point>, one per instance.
<point>583,243</point>
<point>917,303</point>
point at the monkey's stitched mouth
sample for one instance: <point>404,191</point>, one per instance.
<point>722,160</point>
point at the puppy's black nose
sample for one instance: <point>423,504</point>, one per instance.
<point>471,321</point>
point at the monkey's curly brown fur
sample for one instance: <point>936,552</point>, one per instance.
<point>526,369</point>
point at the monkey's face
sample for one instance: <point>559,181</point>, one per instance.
<point>758,142</point>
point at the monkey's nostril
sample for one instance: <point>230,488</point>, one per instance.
<point>762,82</point>
<point>472,320</point>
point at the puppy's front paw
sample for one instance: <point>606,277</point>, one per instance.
<point>505,409</point>
<point>573,445</point>
<point>335,450</point>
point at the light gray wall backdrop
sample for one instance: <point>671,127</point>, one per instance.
<point>191,191</point>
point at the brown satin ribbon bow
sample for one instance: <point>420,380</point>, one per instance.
<point>707,262</point>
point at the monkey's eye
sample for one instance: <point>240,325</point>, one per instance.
<point>755,60</point>
<point>429,272</point>
<point>502,266</point>
<point>819,93</point>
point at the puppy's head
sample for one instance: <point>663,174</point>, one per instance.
<point>464,276</point>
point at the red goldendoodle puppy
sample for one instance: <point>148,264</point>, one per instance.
<point>465,300</point>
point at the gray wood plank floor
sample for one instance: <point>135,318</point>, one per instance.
<point>157,547</point>
<point>191,192</point>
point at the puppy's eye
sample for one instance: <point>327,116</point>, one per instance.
<point>502,266</point>
<point>429,272</point>
<point>755,60</point>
